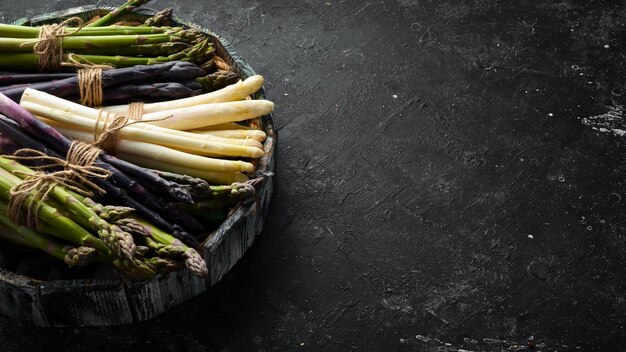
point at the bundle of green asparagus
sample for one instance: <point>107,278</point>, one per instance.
<point>100,43</point>
<point>112,233</point>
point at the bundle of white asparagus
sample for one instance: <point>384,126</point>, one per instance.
<point>196,136</point>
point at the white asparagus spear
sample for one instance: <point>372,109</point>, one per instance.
<point>234,92</point>
<point>199,116</point>
<point>238,134</point>
<point>218,178</point>
<point>225,126</point>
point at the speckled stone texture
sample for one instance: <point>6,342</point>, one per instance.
<point>450,177</point>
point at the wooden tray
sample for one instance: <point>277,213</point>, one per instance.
<point>102,302</point>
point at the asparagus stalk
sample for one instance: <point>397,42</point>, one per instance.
<point>222,197</point>
<point>29,61</point>
<point>211,176</point>
<point>204,115</point>
<point>257,135</point>
<point>127,7</point>
<point>160,49</point>
<point>149,91</point>
<point>165,155</point>
<point>222,126</point>
<point>13,31</point>
<point>234,92</point>
<point>217,80</point>
<point>102,41</point>
<point>12,78</point>
<point>23,236</point>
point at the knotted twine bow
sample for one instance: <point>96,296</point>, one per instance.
<point>49,43</point>
<point>36,186</point>
<point>81,157</point>
<point>49,50</point>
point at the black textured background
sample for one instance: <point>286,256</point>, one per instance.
<point>450,178</point>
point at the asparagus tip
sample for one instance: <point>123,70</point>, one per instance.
<point>79,256</point>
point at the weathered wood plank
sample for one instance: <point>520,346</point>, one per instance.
<point>159,295</point>
<point>85,303</point>
<point>19,298</point>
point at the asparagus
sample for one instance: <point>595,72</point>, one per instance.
<point>13,31</point>
<point>222,197</point>
<point>91,213</point>
<point>30,62</point>
<point>169,71</point>
<point>163,17</point>
<point>52,137</point>
<point>11,78</point>
<point>217,80</point>
<point>68,230</point>
<point>237,91</point>
<point>104,41</point>
<point>149,179</point>
<point>23,236</point>
<point>150,91</point>
<point>127,7</point>
<point>190,223</point>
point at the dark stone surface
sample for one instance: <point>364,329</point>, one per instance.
<point>441,186</point>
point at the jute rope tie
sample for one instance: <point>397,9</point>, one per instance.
<point>89,79</point>
<point>33,191</point>
<point>108,125</point>
<point>49,50</point>
<point>79,165</point>
<point>49,43</point>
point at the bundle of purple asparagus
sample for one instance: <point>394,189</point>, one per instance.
<point>171,80</point>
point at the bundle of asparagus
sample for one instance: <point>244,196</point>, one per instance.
<point>175,175</point>
<point>171,80</point>
<point>120,46</point>
<point>112,233</point>
<point>161,144</point>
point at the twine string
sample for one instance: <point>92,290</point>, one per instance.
<point>90,83</point>
<point>36,186</point>
<point>135,111</point>
<point>49,43</point>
